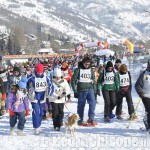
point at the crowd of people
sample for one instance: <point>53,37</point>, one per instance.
<point>46,84</point>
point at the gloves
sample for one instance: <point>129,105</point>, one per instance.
<point>141,94</point>
<point>11,113</point>
<point>98,92</point>
<point>3,96</point>
<point>75,95</point>
<point>27,113</point>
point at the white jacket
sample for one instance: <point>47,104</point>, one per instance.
<point>60,86</point>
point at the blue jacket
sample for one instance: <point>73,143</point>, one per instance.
<point>40,95</point>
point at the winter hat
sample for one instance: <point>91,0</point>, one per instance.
<point>16,69</point>
<point>109,64</point>
<point>118,61</point>
<point>123,68</point>
<point>57,72</point>
<point>39,68</point>
<point>23,83</point>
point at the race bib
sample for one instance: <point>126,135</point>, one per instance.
<point>40,84</point>
<point>4,76</point>
<point>109,78</point>
<point>124,80</point>
<point>85,75</point>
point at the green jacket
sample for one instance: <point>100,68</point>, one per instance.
<point>108,87</point>
<point>78,86</point>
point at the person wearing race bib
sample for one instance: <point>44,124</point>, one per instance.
<point>125,91</point>
<point>82,84</point>
<point>39,86</point>
<point>18,106</point>
<point>109,83</point>
<point>142,87</point>
<point>14,78</point>
<point>67,75</point>
<point>61,90</point>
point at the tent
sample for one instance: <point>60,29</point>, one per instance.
<point>106,52</point>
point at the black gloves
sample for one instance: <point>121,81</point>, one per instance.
<point>141,94</point>
<point>75,95</point>
<point>98,92</point>
<point>62,95</point>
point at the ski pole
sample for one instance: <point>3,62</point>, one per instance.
<point>133,113</point>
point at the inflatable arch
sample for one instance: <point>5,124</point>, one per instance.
<point>104,45</point>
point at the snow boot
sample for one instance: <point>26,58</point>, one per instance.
<point>12,132</point>
<point>36,131</point>
<point>119,117</point>
<point>20,133</point>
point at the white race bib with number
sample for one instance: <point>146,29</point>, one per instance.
<point>17,79</point>
<point>124,80</point>
<point>85,75</point>
<point>109,78</point>
<point>4,76</point>
<point>40,84</point>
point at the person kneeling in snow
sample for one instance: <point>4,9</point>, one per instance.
<point>18,106</point>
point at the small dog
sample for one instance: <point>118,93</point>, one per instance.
<point>72,123</point>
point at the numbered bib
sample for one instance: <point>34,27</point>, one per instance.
<point>21,96</point>
<point>40,84</point>
<point>85,75</point>
<point>109,78</point>
<point>124,80</point>
<point>17,79</point>
<point>4,76</point>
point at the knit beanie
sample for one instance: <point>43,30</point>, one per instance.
<point>39,68</point>
<point>123,68</point>
<point>109,64</point>
<point>23,83</point>
<point>118,61</point>
<point>57,72</point>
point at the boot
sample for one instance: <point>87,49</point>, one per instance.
<point>36,131</point>
<point>119,117</point>
<point>20,133</point>
<point>12,132</point>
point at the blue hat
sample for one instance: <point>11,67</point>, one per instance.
<point>23,83</point>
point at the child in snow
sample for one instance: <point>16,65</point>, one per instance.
<point>61,90</point>
<point>18,106</point>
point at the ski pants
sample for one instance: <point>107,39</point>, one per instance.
<point>109,101</point>
<point>57,114</point>
<point>21,117</point>
<point>90,97</point>
<point>37,114</point>
<point>128,97</point>
<point>146,102</point>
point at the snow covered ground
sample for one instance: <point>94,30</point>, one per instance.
<point>105,136</point>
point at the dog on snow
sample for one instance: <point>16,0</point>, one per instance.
<point>71,123</point>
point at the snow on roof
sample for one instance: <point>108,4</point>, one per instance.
<point>46,50</point>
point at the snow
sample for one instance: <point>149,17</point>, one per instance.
<point>105,136</point>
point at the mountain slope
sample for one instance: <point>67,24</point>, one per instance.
<point>87,19</point>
